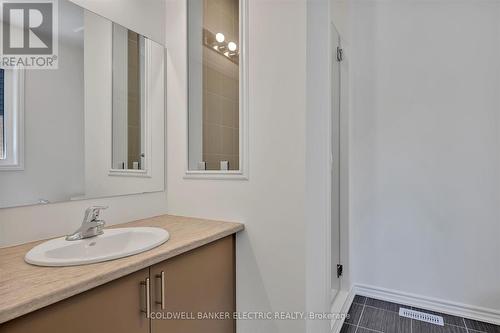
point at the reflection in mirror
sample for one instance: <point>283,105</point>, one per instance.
<point>63,131</point>
<point>214,77</point>
<point>128,99</point>
<point>2,124</point>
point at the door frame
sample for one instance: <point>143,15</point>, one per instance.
<point>343,197</point>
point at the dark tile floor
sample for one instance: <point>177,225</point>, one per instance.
<point>368,315</point>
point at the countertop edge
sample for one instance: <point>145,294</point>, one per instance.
<point>20,309</point>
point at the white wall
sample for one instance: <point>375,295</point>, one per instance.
<point>271,251</point>
<point>425,170</point>
<point>18,225</point>
<point>317,159</point>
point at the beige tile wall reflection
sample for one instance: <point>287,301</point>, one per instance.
<point>221,88</point>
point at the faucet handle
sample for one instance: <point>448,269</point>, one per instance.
<point>92,213</point>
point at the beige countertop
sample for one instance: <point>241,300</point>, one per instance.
<point>25,288</point>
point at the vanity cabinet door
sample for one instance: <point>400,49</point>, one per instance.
<point>201,281</point>
<point>113,307</point>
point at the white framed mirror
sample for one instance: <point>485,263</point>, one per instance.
<point>217,94</point>
<point>134,68</point>
<point>129,105</point>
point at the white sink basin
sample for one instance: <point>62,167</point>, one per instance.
<point>113,244</point>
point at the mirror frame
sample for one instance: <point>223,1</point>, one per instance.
<point>242,173</point>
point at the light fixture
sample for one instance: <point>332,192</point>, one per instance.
<point>220,37</point>
<point>232,46</point>
<point>219,43</point>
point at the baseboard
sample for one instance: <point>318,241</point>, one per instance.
<point>341,304</point>
<point>434,304</point>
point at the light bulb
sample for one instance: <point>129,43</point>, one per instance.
<point>232,46</point>
<point>219,37</point>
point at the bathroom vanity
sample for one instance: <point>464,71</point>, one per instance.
<point>172,288</point>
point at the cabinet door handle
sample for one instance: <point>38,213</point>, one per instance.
<point>147,284</point>
<point>161,276</point>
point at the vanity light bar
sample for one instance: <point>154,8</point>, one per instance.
<point>218,43</point>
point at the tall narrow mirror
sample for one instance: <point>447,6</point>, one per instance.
<point>128,99</point>
<point>214,85</point>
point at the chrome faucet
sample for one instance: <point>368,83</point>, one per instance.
<point>91,225</point>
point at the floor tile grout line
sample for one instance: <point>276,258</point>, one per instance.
<point>471,329</point>
<point>446,324</point>
<point>374,307</point>
<point>361,315</point>
<point>355,326</point>
<point>369,329</point>
<point>466,328</point>
<point>359,320</point>
<point>362,310</point>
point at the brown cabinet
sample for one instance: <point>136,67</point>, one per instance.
<point>197,284</point>
<point>113,307</point>
<point>196,290</point>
